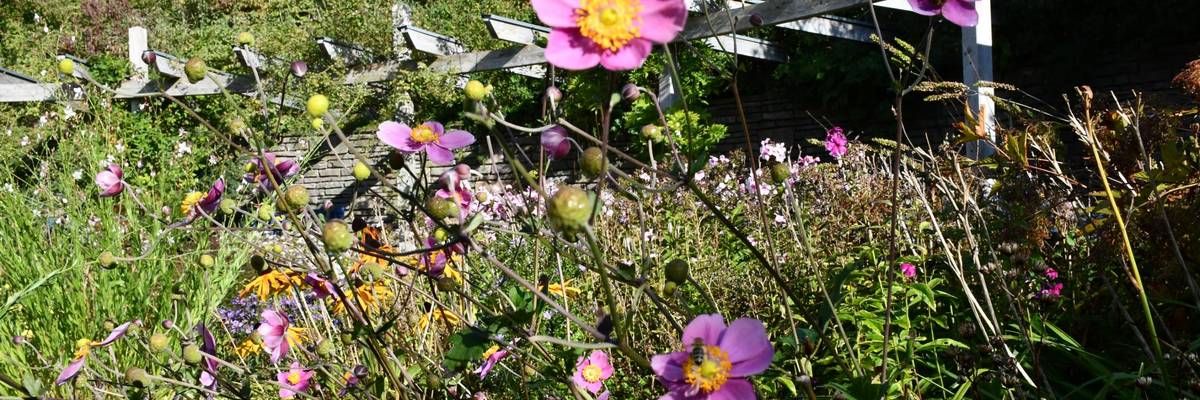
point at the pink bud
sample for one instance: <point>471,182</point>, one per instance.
<point>554,141</point>
<point>554,94</point>
<point>463,171</point>
<point>109,181</point>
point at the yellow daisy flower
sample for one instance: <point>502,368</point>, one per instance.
<point>371,296</point>
<point>438,314</point>
<point>490,351</point>
<point>269,283</point>
<point>295,336</point>
<point>247,348</point>
<point>563,289</point>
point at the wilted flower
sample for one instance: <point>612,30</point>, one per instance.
<point>295,380</point>
<point>717,361</point>
<point>490,358</point>
<point>270,282</point>
<point>617,34</point>
<point>109,181</point>
<point>960,12</point>
<point>321,287</point>
<point>430,137</point>
<point>835,142</point>
<point>84,348</point>
<point>196,203</point>
<point>554,141</point>
<point>591,372</point>
<point>268,171</point>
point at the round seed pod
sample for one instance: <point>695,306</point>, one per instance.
<point>337,236</point>
<point>569,209</point>
<point>191,354</point>
<point>677,271</point>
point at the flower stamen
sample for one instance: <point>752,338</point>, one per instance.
<point>610,23</point>
<point>424,134</point>
<point>709,373</point>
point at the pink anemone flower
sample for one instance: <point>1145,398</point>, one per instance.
<point>430,137</point>
<point>85,348</point>
<point>273,330</point>
<point>268,171</point>
<point>959,12</point>
<point>110,181</point>
<point>617,34</point>
<point>293,381</point>
<point>591,372</point>
<point>908,270</point>
<point>321,286</point>
<point>208,344</point>
<point>554,141</point>
<point>209,203</point>
<point>727,356</point>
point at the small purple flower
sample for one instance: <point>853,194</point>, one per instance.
<point>591,372</point>
<point>430,137</point>
<point>835,142</point>
<point>269,171</point>
<point>554,141</point>
<point>960,12</point>
<point>109,181</point>
<point>770,150</point>
<point>728,355</point>
<point>909,270</point>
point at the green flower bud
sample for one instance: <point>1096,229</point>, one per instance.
<point>446,284</point>
<point>592,162</point>
<point>195,69</point>
<point>207,261</point>
<point>228,206</point>
<point>440,235</point>
<point>780,172</point>
<point>191,354</point>
<point>245,39</point>
<point>317,123</point>
<point>440,208</point>
<point>237,124</point>
<point>317,105</point>
<point>296,197</point>
<point>476,90</point>
<point>159,342</point>
<point>677,271</point>
<point>265,212</point>
<point>375,271</point>
<point>337,236</point>
<point>653,132</point>
<point>569,209</point>
<point>325,348</point>
<point>66,66</point>
<point>107,260</point>
<point>137,377</point>
<point>669,288</point>
<point>481,196</point>
<point>361,172</point>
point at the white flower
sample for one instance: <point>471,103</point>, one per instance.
<point>769,150</point>
<point>183,147</point>
<point>212,159</point>
<point>120,147</point>
<point>78,174</point>
<point>547,314</point>
<point>24,141</point>
<point>9,187</point>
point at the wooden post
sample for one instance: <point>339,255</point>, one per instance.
<point>977,67</point>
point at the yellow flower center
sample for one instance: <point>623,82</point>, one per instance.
<point>84,346</point>
<point>190,200</point>
<point>591,373</point>
<point>294,378</point>
<point>609,23</point>
<point>710,372</point>
<point>424,134</point>
<point>346,378</point>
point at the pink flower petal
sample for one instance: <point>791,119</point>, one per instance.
<point>706,327</point>
<point>456,139</point>
<point>631,56</point>
<point>961,12</point>
<point>669,367</point>
<point>70,371</point>
<point>748,347</point>
<point>116,333</point>
<point>925,7</point>
<point>567,49</point>
<point>734,389</point>
<point>435,126</point>
<point>556,13</point>
<point>662,20</point>
<point>439,155</point>
<point>398,135</point>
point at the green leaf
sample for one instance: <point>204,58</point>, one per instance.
<point>32,385</point>
<point>465,346</point>
<point>791,386</point>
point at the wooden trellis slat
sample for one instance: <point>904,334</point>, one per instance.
<point>348,53</point>
<point>441,45</point>
<point>16,87</point>
<point>514,31</point>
